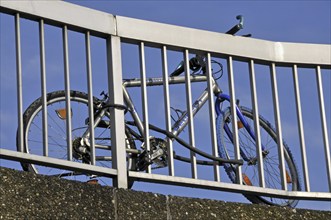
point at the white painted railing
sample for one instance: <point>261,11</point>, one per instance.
<point>118,32</point>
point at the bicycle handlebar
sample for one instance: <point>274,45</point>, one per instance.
<point>178,70</point>
<point>237,27</point>
<point>195,64</point>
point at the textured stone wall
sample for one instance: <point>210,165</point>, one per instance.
<point>28,196</point>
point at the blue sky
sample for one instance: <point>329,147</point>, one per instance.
<point>285,21</point>
<point>290,21</point>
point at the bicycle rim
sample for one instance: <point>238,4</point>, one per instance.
<point>271,166</point>
<point>57,137</point>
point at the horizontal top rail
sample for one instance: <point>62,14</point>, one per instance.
<point>59,12</point>
<point>240,47</point>
<point>154,33</point>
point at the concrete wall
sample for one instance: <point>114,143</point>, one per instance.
<point>28,196</point>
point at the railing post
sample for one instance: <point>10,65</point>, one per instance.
<point>324,124</point>
<point>43,85</point>
<point>301,128</point>
<point>67,89</point>
<point>278,126</point>
<point>190,113</point>
<point>212,116</point>
<point>90,94</point>
<point>19,82</point>
<point>144,99</point>
<point>234,119</point>
<point>118,147</point>
<point>167,109</point>
<point>252,81</point>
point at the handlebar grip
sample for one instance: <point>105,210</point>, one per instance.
<point>194,64</point>
<point>178,71</point>
<point>234,29</point>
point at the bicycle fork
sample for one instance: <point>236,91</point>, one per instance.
<point>243,124</point>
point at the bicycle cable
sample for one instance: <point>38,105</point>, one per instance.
<point>202,70</point>
<point>190,147</point>
<point>194,149</point>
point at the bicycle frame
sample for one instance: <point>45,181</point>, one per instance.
<point>182,122</point>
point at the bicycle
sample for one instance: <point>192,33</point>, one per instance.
<point>141,158</point>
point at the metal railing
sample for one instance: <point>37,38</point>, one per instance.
<point>119,32</point>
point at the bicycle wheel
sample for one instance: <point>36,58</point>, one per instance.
<point>250,173</point>
<point>57,138</point>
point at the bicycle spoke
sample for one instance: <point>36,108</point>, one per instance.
<point>270,158</point>
<point>57,134</point>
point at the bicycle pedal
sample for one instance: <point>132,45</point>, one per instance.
<point>144,160</point>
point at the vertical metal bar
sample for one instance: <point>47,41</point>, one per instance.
<point>118,146</point>
<point>256,123</point>
<point>167,109</point>
<point>278,126</point>
<point>210,81</point>
<point>90,95</point>
<point>190,113</point>
<point>67,90</point>
<point>43,86</point>
<point>144,99</point>
<point>300,128</point>
<point>324,125</point>
<point>19,82</point>
<point>234,118</point>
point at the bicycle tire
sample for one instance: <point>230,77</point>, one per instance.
<point>250,172</point>
<point>57,146</point>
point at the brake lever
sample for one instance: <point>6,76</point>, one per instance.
<point>105,96</point>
